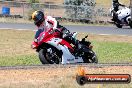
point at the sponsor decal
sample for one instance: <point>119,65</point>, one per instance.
<point>83,78</point>
<point>70,59</point>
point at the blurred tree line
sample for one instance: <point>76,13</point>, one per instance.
<point>79,9</point>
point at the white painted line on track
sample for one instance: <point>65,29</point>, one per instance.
<point>111,34</point>
<point>6,28</point>
<point>14,29</point>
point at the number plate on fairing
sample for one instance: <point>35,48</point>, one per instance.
<point>56,40</point>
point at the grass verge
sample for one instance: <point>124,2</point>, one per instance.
<point>113,52</point>
<point>15,48</point>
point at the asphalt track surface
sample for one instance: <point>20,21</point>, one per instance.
<point>105,30</point>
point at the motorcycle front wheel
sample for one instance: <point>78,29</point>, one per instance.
<point>49,55</point>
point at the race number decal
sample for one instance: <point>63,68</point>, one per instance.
<point>56,40</point>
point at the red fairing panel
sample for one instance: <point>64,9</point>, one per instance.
<point>63,42</point>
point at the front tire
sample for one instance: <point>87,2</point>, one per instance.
<point>49,57</point>
<point>42,56</point>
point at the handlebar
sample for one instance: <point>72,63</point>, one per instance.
<point>56,30</point>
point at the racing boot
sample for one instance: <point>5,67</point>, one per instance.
<point>70,37</point>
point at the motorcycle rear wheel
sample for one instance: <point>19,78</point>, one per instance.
<point>90,57</point>
<point>130,23</point>
<point>118,25</point>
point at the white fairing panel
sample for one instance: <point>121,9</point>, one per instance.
<point>123,13</point>
<point>67,57</point>
<point>55,42</point>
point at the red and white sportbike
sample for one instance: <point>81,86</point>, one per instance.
<point>53,49</point>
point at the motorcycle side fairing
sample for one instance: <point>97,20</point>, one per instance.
<point>64,46</point>
<point>123,13</point>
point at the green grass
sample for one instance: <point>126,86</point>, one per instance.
<point>15,49</point>
<point>113,52</point>
<point>19,60</point>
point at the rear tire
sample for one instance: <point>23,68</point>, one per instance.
<point>130,23</point>
<point>90,57</point>
<point>118,25</point>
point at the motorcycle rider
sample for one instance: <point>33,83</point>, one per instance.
<point>44,23</point>
<point>116,5</point>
